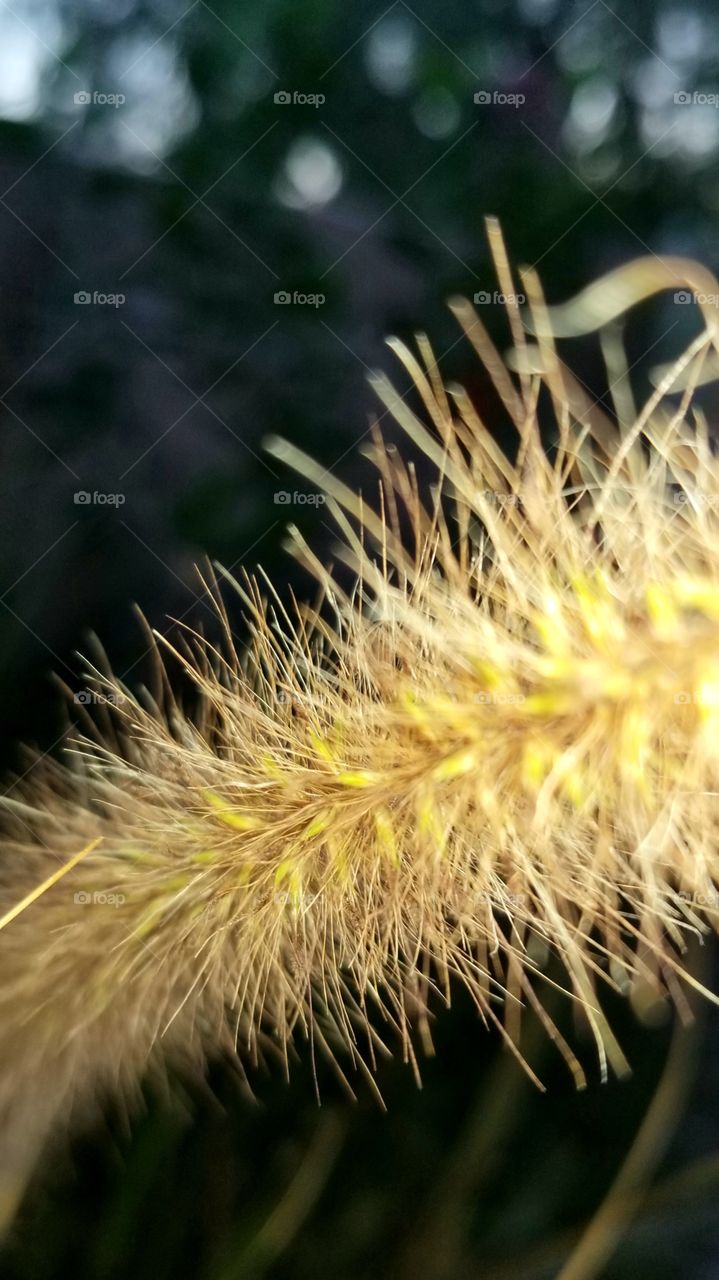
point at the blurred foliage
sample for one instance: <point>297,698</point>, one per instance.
<point>199,198</point>
<point>477,1173</point>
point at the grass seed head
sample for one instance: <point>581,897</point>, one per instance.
<point>503,741</point>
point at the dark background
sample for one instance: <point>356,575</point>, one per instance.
<point>198,199</point>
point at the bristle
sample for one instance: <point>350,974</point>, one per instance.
<point>508,734</point>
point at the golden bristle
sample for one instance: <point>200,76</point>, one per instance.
<point>507,735</point>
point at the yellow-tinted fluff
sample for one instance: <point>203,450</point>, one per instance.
<point>505,738</point>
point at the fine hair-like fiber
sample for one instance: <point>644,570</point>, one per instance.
<point>503,740</point>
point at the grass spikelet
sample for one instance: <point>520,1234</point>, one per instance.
<point>504,740</point>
